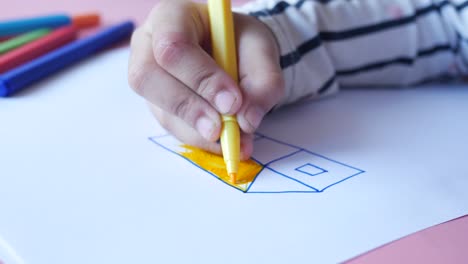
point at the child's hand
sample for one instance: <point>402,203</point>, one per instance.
<point>171,68</point>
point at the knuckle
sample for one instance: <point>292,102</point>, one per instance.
<point>169,48</point>
<point>203,82</point>
<point>182,108</point>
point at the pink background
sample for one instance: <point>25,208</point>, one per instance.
<point>445,243</point>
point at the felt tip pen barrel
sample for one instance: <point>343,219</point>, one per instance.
<point>19,78</point>
<point>18,26</point>
<point>22,39</point>
<point>38,47</point>
<point>224,52</point>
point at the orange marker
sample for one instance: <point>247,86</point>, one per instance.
<point>86,20</point>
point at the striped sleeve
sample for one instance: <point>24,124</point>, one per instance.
<point>329,44</point>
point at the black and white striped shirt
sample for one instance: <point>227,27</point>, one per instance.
<point>327,44</point>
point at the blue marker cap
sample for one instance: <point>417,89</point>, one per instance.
<point>35,70</point>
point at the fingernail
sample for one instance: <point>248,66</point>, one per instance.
<point>224,101</point>
<point>254,116</point>
<point>205,127</point>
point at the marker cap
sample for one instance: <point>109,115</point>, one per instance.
<point>86,20</point>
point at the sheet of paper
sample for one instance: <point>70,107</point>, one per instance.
<point>8,254</point>
<point>87,176</point>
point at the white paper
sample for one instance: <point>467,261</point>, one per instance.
<point>8,254</point>
<point>83,181</point>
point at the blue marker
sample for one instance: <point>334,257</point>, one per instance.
<point>19,26</point>
<point>33,71</point>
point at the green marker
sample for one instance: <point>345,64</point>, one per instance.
<point>22,39</point>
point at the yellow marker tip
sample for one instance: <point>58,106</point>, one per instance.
<point>233,177</point>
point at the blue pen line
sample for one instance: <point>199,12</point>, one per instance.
<point>248,188</point>
<point>341,181</point>
<point>341,163</point>
<point>254,159</point>
<point>158,137</point>
<point>310,152</point>
<point>298,181</point>
<point>299,169</point>
<point>283,157</point>
<point>259,136</point>
<point>281,142</point>
<point>279,192</point>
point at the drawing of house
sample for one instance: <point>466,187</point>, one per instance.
<point>286,168</point>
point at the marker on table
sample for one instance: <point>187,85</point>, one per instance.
<point>35,70</point>
<point>34,49</point>
<point>15,27</point>
<point>224,53</point>
<point>86,20</point>
<point>20,40</point>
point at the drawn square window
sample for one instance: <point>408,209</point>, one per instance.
<point>295,167</point>
<point>311,170</point>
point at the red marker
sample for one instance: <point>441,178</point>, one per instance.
<point>32,50</point>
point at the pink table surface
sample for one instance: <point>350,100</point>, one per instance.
<point>444,243</point>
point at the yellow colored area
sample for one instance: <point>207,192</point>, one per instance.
<point>213,163</point>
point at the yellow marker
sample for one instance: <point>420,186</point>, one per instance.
<point>224,52</point>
